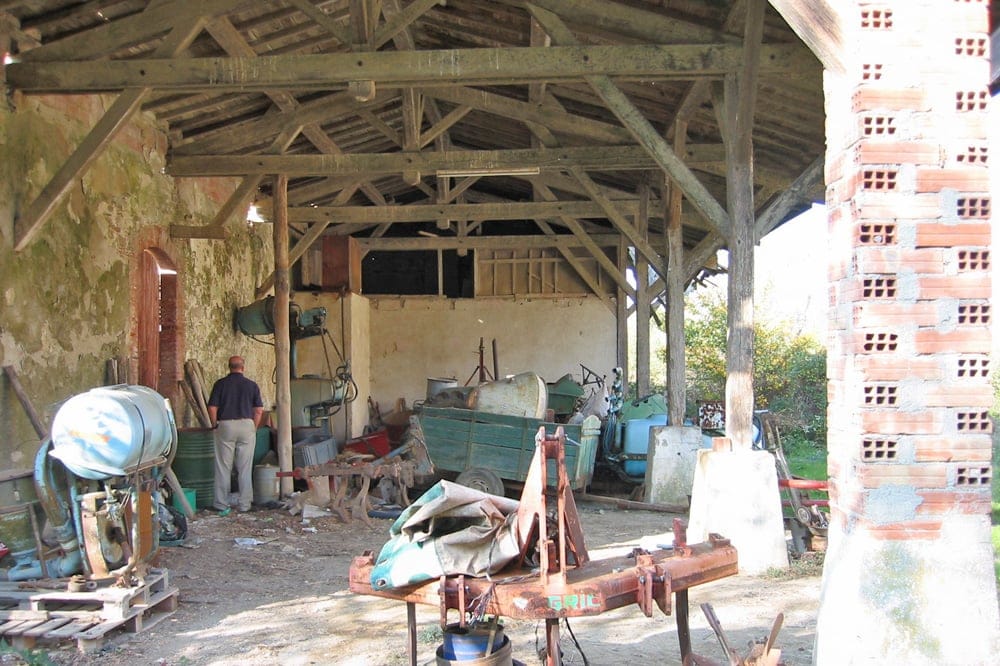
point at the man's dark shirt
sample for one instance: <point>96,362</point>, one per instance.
<point>235,396</point>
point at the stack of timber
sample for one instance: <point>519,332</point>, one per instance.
<point>29,616</point>
<point>194,389</point>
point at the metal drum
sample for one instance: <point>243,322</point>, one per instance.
<point>112,430</point>
<point>194,464</point>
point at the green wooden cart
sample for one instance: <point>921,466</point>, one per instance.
<point>487,449</point>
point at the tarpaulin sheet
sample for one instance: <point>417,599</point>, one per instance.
<point>450,529</point>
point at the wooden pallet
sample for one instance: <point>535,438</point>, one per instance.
<point>28,616</point>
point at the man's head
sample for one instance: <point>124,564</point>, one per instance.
<point>235,364</point>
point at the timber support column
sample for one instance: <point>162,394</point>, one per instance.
<point>909,574</point>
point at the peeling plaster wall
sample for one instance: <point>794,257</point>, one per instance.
<point>416,338</point>
<point>67,300</point>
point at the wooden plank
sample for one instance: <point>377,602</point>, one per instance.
<point>45,627</point>
<point>71,629</point>
<point>443,67</point>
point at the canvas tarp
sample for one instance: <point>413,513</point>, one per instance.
<point>450,529</point>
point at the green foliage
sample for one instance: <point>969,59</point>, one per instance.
<point>789,369</point>
<point>12,655</point>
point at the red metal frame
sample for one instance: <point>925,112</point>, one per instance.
<point>556,590</point>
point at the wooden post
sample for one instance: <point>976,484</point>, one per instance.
<point>622,317</point>
<point>740,98</point>
<point>642,299</point>
<point>676,356</point>
<point>282,339</point>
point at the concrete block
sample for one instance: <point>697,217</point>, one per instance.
<point>670,463</point>
<point>735,494</point>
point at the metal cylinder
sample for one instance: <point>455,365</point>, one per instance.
<point>108,431</point>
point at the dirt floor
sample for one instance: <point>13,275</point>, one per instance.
<point>285,601</point>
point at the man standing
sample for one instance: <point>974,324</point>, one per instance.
<point>235,409</point>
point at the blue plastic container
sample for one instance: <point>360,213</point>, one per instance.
<point>636,441</point>
<point>465,644</point>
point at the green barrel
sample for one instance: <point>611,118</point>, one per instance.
<point>194,463</point>
<point>262,445</point>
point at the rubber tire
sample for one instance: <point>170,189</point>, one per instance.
<point>482,479</point>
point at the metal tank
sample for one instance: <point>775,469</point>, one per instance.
<point>112,430</point>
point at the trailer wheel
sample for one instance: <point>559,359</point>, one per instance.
<point>481,479</point>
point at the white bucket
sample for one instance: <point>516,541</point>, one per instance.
<point>265,484</point>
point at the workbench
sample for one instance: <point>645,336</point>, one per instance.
<point>642,578</point>
<point>553,577</point>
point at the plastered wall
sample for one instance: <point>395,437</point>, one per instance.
<point>413,339</point>
<point>67,301</point>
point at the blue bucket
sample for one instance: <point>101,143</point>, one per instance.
<point>467,643</point>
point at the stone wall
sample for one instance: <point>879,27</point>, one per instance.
<point>68,300</point>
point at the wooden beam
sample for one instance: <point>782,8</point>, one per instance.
<point>116,117</point>
<point>634,120</point>
<point>819,24</point>
<point>399,20</point>
<point>620,223</point>
<point>588,241</point>
<point>445,67</point>
<point>675,281</point>
<point>532,210</point>
<point>157,19</point>
<point>622,19</point>
<point>304,243</point>
<point>555,119</point>
<point>608,158</point>
<point>234,137</point>
<point>323,20</point>
<point>484,242</point>
<point>642,297</point>
<point>790,198</point>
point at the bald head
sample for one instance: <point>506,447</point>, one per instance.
<point>236,364</point>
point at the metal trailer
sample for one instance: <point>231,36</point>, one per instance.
<point>486,449</point>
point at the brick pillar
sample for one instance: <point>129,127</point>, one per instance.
<point>909,570</point>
